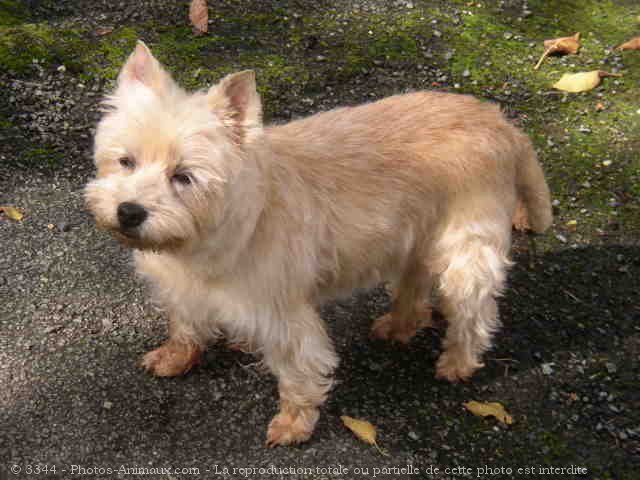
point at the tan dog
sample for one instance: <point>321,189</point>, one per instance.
<point>243,229</point>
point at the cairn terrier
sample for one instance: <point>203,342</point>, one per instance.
<point>242,229</point>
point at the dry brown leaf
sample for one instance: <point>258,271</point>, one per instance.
<point>12,212</point>
<point>199,15</point>
<point>489,409</point>
<point>102,31</point>
<point>362,429</point>
<point>582,81</point>
<point>561,45</point>
<point>633,44</point>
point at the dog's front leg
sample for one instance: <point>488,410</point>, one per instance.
<point>177,355</point>
<point>303,359</point>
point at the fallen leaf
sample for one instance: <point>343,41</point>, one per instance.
<point>582,81</point>
<point>102,31</point>
<point>600,106</point>
<point>362,429</point>
<point>12,212</point>
<point>486,409</point>
<point>199,15</point>
<point>633,44</point>
<point>561,45</point>
<point>572,224</point>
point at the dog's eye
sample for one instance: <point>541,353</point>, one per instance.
<point>181,178</point>
<point>127,162</point>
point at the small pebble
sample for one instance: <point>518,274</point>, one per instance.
<point>107,405</point>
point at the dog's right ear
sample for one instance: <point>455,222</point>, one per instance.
<point>142,68</point>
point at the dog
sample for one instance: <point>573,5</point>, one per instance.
<point>243,229</point>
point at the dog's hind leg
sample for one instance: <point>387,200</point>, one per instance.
<point>303,359</point>
<point>472,260</point>
<point>177,355</point>
<point>411,308</point>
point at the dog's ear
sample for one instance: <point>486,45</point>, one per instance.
<point>237,102</point>
<point>142,68</point>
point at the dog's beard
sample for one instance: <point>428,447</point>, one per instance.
<point>142,242</point>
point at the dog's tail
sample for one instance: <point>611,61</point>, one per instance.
<point>533,191</point>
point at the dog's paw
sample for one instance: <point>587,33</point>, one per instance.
<point>385,328</point>
<point>452,368</point>
<point>290,428</point>
<point>171,359</point>
<point>520,219</point>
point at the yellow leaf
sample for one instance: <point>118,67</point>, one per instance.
<point>572,224</point>
<point>582,81</point>
<point>12,212</point>
<point>486,409</point>
<point>362,429</point>
<point>633,44</point>
<point>560,45</point>
<point>199,15</point>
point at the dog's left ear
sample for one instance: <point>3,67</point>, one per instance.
<point>237,102</point>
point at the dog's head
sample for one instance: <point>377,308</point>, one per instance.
<point>166,159</point>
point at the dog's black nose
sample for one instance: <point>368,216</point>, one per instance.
<point>131,215</point>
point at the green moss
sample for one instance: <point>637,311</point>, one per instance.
<point>20,46</point>
<point>41,156</point>
<point>12,12</point>
<point>489,54</point>
<point>79,51</point>
<point>604,18</point>
<point>5,123</point>
<point>104,58</point>
<point>557,447</point>
<point>24,45</point>
<point>358,42</point>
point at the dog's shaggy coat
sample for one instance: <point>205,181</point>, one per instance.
<point>243,229</point>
